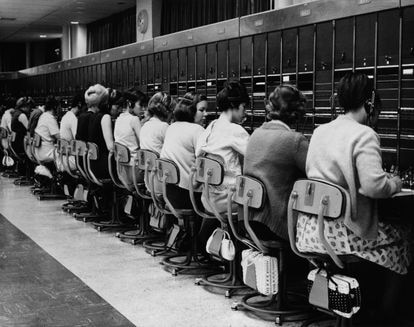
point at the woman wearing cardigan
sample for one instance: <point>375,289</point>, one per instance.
<point>346,152</point>
<point>276,156</point>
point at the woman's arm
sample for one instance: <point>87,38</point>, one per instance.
<point>240,140</point>
<point>374,182</point>
<point>23,119</point>
<point>136,127</point>
<point>106,125</point>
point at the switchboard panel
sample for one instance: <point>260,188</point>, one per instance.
<point>246,58</point>
<point>365,40</point>
<point>191,63</point>
<point>211,65</point>
<point>234,58</point>
<point>289,38</point>
<point>222,59</point>
<point>182,64</point>
<point>344,43</point>
<point>201,62</point>
<point>259,54</point>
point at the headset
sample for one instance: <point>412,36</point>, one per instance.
<point>370,107</point>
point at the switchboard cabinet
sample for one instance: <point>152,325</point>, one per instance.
<point>165,70</point>
<point>305,49</point>
<point>131,72</point>
<point>407,49</point>
<point>182,65</point>
<point>234,58</point>
<point>137,73</point>
<point>289,38</point>
<point>144,74</point>
<point>273,53</point>
<point>211,64</point>
<point>246,59</point>
<point>174,65</point>
<point>150,69</point>
<point>323,73</point>
<point>388,40</point>
<point>259,54</point>
<point>158,62</point>
<point>344,43</point>
<point>191,63</point>
<point>222,62</point>
<point>365,40</point>
<point>201,62</point>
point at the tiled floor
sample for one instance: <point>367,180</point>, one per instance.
<point>125,276</point>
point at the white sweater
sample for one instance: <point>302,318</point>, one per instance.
<point>348,154</point>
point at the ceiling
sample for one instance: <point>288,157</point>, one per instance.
<point>36,17</point>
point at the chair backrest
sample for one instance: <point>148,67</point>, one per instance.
<point>249,191</point>
<point>122,153</point>
<point>167,170</point>
<point>146,157</point>
<point>37,140</point>
<point>79,147</point>
<point>62,145</point>
<point>3,133</point>
<point>209,170</point>
<point>93,151</point>
<point>323,200</point>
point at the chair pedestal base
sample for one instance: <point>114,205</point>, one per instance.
<point>23,181</point>
<point>185,263</point>
<point>46,196</point>
<point>135,236</point>
<point>87,217</point>
<point>103,225</point>
<point>156,247</point>
<point>271,309</point>
<point>227,281</point>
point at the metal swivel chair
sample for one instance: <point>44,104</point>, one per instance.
<point>114,222</point>
<point>7,138</point>
<point>82,211</point>
<point>53,193</point>
<point>63,149</point>
<point>250,194</point>
<point>28,179</point>
<point>322,200</point>
<point>123,157</point>
<point>168,173</point>
<point>210,172</point>
<point>145,161</point>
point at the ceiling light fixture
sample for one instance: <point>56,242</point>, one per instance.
<point>42,36</point>
<point>74,23</point>
<point>7,18</point>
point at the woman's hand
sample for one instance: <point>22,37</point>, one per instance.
<point>397,182</point>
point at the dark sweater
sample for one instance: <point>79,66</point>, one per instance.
<point>277,157</point>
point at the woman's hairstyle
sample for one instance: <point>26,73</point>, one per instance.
<point>232,95</point>
<point>24,102</point>
<point>287,104</point>
<point>78,101</point>
<point>161,105</point>
<point>354,90</point>
<point>97,95</point>
<point>51,103</point>
<point>185,110</point>
<point>130,98</point>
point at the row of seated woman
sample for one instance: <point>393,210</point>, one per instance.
<point>273,191</point>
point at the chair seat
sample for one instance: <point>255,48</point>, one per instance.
<point>275,244</point>
<point>185,212</point>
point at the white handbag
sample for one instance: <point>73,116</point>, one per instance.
<point>260,272</point>
<point>7,161</point>
<point>227,250</point>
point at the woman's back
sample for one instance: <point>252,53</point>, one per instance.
<point>276,156</point>
<point>95,135</point>
<point>152,134</point>
<point>348,153</point>
<point>179,146</point>
<point>124,132</point>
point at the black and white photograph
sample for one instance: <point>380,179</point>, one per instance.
<point>206,163</point>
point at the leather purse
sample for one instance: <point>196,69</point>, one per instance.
<point>335,293</point>
<point>227,250</point>
<point>214,243</point>
<point>158,220</point>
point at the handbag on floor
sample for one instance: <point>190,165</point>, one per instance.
<point>336,293</point>
<point>158,220</point>
<point>260,272</point>
<point>220,245</point>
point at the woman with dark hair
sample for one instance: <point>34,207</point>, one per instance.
<point>201,106</point>
<point>226,140</point>
<point>99,128</point>
<point>48,129</point>
<point>179,146</point>
<point>20,122</point>
<point>160,108</point>
<point>347,152</point>
<point>276,156</point>
<point>128,127</point>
